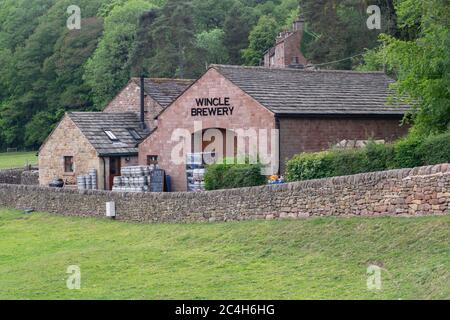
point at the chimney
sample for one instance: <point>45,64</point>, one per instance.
<point>299,24</point>
<point>143,125</point>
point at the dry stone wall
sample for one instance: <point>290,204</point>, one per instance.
<point>407,192</point>
<point>19,176</point>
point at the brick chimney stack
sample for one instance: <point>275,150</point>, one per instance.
<point>299,24</point>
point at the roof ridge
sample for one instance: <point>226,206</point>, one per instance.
<point>294,69</point>
<point>98,112</point>
<point>163,79</point>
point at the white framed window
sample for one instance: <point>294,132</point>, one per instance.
<point>111,135</point>
<point>134,134</point>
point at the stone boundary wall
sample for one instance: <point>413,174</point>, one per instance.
<point>407,192</point>
<point>20,176</point>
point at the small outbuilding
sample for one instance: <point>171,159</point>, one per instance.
<point>106,141</point>
<point>83,141</point>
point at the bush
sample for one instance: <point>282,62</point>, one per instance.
<point>379,157</point>
<point>347,162</point>
<point>435,149</point>
<point>339,162</point>
<point>409,152</point>
<point>230,176</point>
<point>406,152</point>
<point>308,166</point>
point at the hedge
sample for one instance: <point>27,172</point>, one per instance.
<point>407,153</point>
<point>435,150</point>
<point>230,176</point>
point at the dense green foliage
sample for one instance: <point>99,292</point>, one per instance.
<point>435,149</point>
<point>322,258</point>
<point>420,62</point>
<point>410,152</point>
<point>340,162</point>
<point>230,176</point>
<point>337,30</point>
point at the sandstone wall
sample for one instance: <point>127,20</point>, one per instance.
<point>67,141</point>
<point>299,135</point>
<point>407,192</point>
<point>129,100</point>
<point>247,114</point>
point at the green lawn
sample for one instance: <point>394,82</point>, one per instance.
<point>324,258</point>
<point>17,159</point>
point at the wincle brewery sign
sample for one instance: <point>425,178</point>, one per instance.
<point>211,107</point>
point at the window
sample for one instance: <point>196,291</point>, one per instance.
<point>152,160</point>
<point>134,134</point>
<point>68,164</point>
<point>111,135</point>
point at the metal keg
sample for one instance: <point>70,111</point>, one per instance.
<point>118,181</point>
<point>88,182</point>
<point>81,182</point>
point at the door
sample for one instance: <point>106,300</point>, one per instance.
<point>114,170</point>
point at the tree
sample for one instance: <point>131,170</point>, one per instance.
<point>237,27</point>
<point>108,70</point>
<point>173,35</point>
<point>421,65</point>
<point>261,38</point>
<point>339,30</point>
<point>211,42</point>
<point>26,76</point>
<point>208,14</point>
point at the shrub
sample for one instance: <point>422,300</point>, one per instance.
<point>406,152</point>
<point>337,162</point>
<point>435,149</point>
<point>379,157</point>
<point>347,162</point>
<point>409,152</point>
<point>230,176</point>
<point>308,166</point>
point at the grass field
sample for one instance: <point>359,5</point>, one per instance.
<point>312,259</point>
<point>17,159</point>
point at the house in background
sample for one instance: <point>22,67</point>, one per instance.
<point>286,53</point>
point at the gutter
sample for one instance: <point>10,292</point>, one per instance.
<point>104,173</point>
<point>341,115</point>
<point>278,127</point>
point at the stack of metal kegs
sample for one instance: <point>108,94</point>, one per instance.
<point>195,170</point>
<point>88,182</point>
<point>134,179</point>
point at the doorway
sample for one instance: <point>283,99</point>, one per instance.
<point>114,170</point>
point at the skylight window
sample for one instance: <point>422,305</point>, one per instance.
<point>111,135</point>
<point>134,134</point>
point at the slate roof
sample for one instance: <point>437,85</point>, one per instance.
<point>164,91</point>
<point>311,92</point>
<point>94,124</point>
